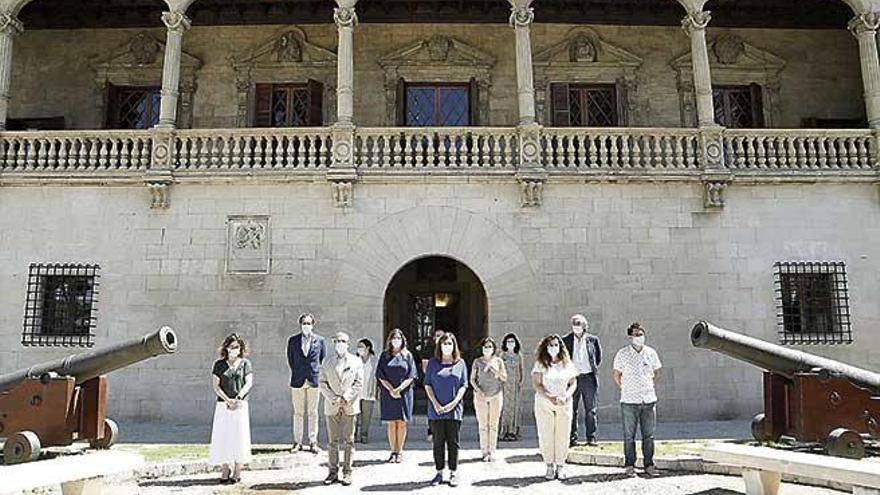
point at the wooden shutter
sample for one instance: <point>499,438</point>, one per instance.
<point>316,103</point>
<point>111,117</point>
<point>621,117</point>
<point>263,105</point>
<point>757,106</point>
<point>559,105</point>
<point>400,107</point>
<point>473,103</point>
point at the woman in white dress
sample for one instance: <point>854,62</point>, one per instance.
<point>232,380</point>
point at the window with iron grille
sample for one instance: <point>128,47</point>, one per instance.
<point>289,104</point>
<point>812,303</point>
<point>61,305</point>
<point>437,104</point>
<point>133,107</point>
<point>738,107</point>
<point>587,105</point>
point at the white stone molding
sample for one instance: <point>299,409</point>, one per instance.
<point>438,58</point>
<point>285,57</point>
<point>139,62</point>
<point>521,18</point>
<point>159,185</point>
<point>248,245</point>
<point>713,193</point>
<point>346,19</point>
<point>732,61</point>
<point>10,27</point>
<point>342,187</point>
<point>585,57</point>
<point>176,23</point>
<point>865,27</point>
<point>531,192</point>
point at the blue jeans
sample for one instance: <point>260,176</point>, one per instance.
<point>643,417</point>
<point>587,388</point>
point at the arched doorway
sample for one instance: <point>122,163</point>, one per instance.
<point>436,293</point>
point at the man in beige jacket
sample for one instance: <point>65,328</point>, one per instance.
<point>341,382</point>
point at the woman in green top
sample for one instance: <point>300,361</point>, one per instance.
<point>232,379</point>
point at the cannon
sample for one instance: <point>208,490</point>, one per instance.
<point>58,402</point>
<point>813,399</point>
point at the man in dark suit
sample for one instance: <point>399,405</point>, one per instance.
<point>305,353</point>
<point>586,354</point>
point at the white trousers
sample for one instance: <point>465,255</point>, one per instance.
<point>230,435</point>
<point>554,427</point>
<point>305,403</point>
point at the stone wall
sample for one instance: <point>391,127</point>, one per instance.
<point>615,252</point>
<point>52,74</point>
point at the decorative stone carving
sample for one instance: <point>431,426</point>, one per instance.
<point>714,194</point>
<point>585,57</point>
<point>345,16</point>
<point>248,245</point>
<point>733,61</point>
<point>522,15</point>
<point>160,195</point>
<point>139,62</point>
<point>531,192</point>
<point>343,193</point>
<point>286,56</point>
<point>10,24</point>
<point>438,58</point>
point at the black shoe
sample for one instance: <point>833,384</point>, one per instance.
<point>573,443</point>
<point>592,442</point>
<point>331,478</point>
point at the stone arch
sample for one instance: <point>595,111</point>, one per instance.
<point>470,238</point>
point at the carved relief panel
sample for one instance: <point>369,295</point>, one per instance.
<point>248,245</point>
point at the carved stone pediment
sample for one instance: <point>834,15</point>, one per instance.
<point>732,61</point>
<point>285,57</point>
<point>583,47</point>
<point>139,62</point>
<point>584,57</point>
<point>435,51</point>
<point>289,47</point>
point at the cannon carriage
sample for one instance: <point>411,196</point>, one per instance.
<point>813,399</point>
<point>59,402</point>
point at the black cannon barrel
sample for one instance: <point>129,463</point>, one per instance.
<point>88,365</point>
<point>775,358</point>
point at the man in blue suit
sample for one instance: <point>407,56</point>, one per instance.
<point>305,352</point>
<point>586,354</point>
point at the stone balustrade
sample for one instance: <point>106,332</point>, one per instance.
<point>457,150</point>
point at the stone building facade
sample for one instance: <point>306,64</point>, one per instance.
<point>211,225</point>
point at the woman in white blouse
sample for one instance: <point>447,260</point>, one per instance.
<point>554,378</point>
<point>368,396</point>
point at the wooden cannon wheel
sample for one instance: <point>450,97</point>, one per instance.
<point>761,429</point>
<point>23,446</point>
<point>111,435</point>
<point>845,443</point>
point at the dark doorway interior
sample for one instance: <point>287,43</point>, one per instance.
<point>431,293</point>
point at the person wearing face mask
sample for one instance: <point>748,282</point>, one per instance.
<point>305,353</point>
<point>341,383</point>
<point>396,373</point>
<point>488,375</point>
<point>427,353</point>
<point>636,369</point>
<point>554,379</point>
<point>511,415</point>
<point>586,354</point>
<point>446,382</point>
<point>232,379</point>
<point>368,397</point>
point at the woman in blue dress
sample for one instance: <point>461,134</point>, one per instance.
<point>396,373</point>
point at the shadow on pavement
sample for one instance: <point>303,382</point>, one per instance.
<point>286,487</point>
<point>514,459</point>
<point>518,482</point>
<point>396,487</point>
<point>717,491</point>
<point>183,483</point>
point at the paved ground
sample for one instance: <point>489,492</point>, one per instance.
<point>518,470</point>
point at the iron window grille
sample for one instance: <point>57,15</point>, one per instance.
<point>133,107</point>
<point>812,302</point>
<point>738,107</point>
<point>593,105</point>
<point>60,309</point>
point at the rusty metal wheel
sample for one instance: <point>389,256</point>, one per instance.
<point>23,446</point>
<point>845,443</point>
<point>111,435</point>
<point>761,429</point>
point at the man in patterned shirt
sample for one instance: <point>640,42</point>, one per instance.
<point>636,368</point>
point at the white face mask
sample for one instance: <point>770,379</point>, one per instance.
<point>553,350</point>
<point>396,343</point>
<point>233,353</point>
<point>488,351</point>
<point>577,329</point>
<point>341,348</point>
<point>638,341</point>
<point>447,349</point>
<point>362,351</point>
<point>510,345</point>
<point>307,329</point>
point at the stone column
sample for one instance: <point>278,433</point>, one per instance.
<point>694,24</point>
<point>346,19</point>
<point>864,28</point>
<point>10,27</point>
<point>177,24</point>
<point>521,18</point>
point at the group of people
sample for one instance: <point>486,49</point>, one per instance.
<point>565,373</point>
